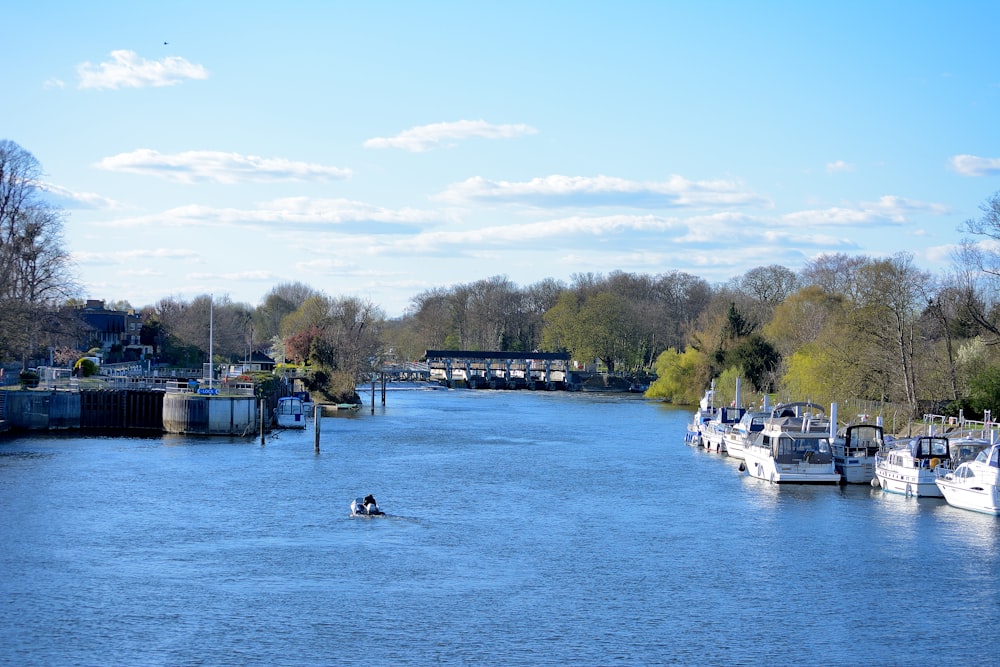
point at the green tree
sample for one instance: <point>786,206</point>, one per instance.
<point>680,376</point>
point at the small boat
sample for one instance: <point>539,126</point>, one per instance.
<point>706,410</point>
<point>290,412</point>
<point>854,452</point>
<point>793,447</point>
<point>909,468</point>
<point>974,485</point>
<point>739,435</point>
<point>714,431</point>
<point>365,507</point>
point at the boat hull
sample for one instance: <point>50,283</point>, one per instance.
<point>766,468</point>
<point>918,483</point>
<point>855,470</point>
<point>975,497</point>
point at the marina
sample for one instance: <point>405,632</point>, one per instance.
<point>582,512</point>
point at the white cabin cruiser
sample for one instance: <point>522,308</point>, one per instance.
<point>909,469</point>
<point>974,485</point>
<point>742,431</point>
<point>855,450</point>
<point>365,507</point>
<point>792,447</point>
<point>706,410</point>
<point>290,412</point>
<point>714,432</point>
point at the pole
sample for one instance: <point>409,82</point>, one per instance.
<point>317,414</point>
<point>262,422</point>
<point>383,389</point>
<point>373,393</point>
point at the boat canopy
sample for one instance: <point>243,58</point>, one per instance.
<point>863,436</point>
<point>929,447</point>
<point>786,448</point>
<point>990,456</point>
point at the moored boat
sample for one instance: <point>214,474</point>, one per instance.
<point>290,412</point>
<point>742,431</point>
<point>715,430</point>
<point>974,485</point>
<point>792,447</point>
<point>909,468</point>
<point>706,410</point>
<point>854,452</point>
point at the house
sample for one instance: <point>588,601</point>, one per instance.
<point>109,328</point>
<point>258,362</point>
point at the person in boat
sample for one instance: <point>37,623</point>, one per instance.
<point>370,503</point>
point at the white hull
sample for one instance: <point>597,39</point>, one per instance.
<point>975,485</point>
<point>978,498</point>
<point>734,447</point>
<point>860,470</point>
<point>798,472</point>
<point>712,439</point>
<point>908,482</point>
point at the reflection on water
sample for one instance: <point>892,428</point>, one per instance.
<point>523,528</point>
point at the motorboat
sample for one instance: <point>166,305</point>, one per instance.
<point>715,430</point>
<point>854,452</point>
<point>792,447</point>
<point>974,485</point>
<point>365,507</point>
<point>290,412</point>
<point>706,410</point>
<point>909,468</point>
<point>739,435</point>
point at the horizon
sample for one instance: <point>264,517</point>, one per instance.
<point>381,151</point>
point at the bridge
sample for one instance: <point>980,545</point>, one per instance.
<point>500,370</point>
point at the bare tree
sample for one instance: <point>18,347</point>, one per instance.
<point>34,266</point>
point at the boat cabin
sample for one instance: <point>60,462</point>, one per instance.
<point>927,447</point>
<point>790,448</point>
<point>863,440</point>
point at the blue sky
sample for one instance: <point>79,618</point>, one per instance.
<point>379,149</point>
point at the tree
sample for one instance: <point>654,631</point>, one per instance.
<point>34,266</point>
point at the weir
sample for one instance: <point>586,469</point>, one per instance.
<point>500,369</point>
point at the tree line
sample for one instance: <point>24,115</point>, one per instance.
<point>845,326</point>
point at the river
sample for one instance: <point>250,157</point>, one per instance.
<point>522,528</point>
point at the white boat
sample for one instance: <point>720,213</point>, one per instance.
<point>714,432</point>
<point>365,507</point>
<point>974,485</point>
<point>854,452</point>
<point>706,410</point>
<point>909,468</point>
<point>792,447</point>
<point>742,431</point>
<point>290,412</point>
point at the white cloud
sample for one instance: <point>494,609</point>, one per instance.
<point>558,190</point>
<point>348,216</point>
<point>972,165</point>
<point>839,166</point>
<point>54,83</point>
<point>889,209</point>
<point>218,167</point>
<point>127,70</point>
<point>64,198</point>
<point>562,229</point>
<point>127,256</point>
<point>426,137</point>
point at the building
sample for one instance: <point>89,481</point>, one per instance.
<point>109,328</point>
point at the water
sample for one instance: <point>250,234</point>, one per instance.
<point>523,528</point>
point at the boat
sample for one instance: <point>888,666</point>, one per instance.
<point>792,447</point>
<point>714,431</point>
<point>854,452</point>
<point>365,507</point>
<point>706,410</point>
<point>974,485</point>
<point>739,435</point>
<point>290,412</point>
<point>909,468</point>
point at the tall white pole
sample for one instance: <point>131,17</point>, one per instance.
<point>211,332</point>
